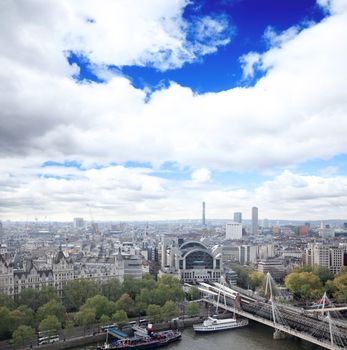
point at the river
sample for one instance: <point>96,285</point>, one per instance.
<point>253,337</point>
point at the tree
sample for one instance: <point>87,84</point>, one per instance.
<point>7,301</point>
<point>154,313</point>
<point>23,335</point>
<point>148,282</point>
<point>141,307</point>
<point>101,305</point>
<point>161,294</point>
<point>193,309</point>
<point>255,279</point>
<point>131,286</point>
<point>168,288</point>
<point>69,328</point>
<point>18,318</point>
<point>111,289</point>
<point>104,319</point>
<point>146,296</point>
<point>242,276</point>
<point>193,293</point>
<point>126,303</point>
<point>50,323</point>
<point>340,286</point>
<point>85,317</point>
<point>29,315</point>
<point>53,307</point>
<point>5,322</point>
<point>120,317</point>
<point>305,285</point>
<point>30,298</point>
<point>322,272</point>
<point>77,292</point>
<point>172,286</point>
<point>170,309</point>
<point>47,294</point>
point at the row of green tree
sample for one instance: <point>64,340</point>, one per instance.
<point>247,278</point>
<point>310,282</point>
<point>86,302</point>
<point>306,283</point>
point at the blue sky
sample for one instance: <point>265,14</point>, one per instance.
<point>248,21</point>
<point>147,109</point>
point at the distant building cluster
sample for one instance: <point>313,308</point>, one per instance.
<point>40,254</point>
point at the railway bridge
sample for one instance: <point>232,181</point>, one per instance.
<point>319,326</point>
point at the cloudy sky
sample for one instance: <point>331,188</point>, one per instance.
<point>142,109</point>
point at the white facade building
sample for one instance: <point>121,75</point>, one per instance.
<point>233,230</point>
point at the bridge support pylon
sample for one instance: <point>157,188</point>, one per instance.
<point>278,335</point>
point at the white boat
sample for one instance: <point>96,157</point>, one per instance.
<point>215,325</point>
<point>212,324</point>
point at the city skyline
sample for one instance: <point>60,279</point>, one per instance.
<point>142,111</point>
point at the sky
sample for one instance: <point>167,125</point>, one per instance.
<point>142,109</point>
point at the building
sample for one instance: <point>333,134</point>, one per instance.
<point>303,230</point>
<point>265,251</point>
<point>247,254</point>
<point>62,271</point>
<point>233,230</point>
<point>266,224</point>
<point>331,257</point>
<point>78,223</point>
<point>231,277</point>
<point>197,263</point>
<point>56,270</point>
<point>230,253</point>
<point>274,266</point>
<point>34,274</point>
<point>254,229</point>
<point>238,217</point>
<point>203,214</point>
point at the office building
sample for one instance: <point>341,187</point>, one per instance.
<point>203,214</point>
<point>274,266</point>
<point>331,257</point>
<point>254,229</point>
<point>233,230</point>
<point>238,217</point>
<point>78,223</point>
<point>247,254</point>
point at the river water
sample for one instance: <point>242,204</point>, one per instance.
<point>253,337</point>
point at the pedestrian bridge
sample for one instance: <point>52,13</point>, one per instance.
<point>321,328</point>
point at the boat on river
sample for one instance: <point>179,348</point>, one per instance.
<point>143,341</point>
<point>212,324</point>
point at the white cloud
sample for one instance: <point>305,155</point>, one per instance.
<point>119,193</point>
<point>201,175</point>
<point>297,111</point>
<point>122,32</point>
<point>333,6</point>
<point>249,62</point>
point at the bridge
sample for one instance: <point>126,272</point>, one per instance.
<point>320,328</point>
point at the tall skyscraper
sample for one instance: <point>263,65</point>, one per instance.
<point>254,221</point>
<point>238,217</point>
<point>78,223</point>
<point>203,214</point>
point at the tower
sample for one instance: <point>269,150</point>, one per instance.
<point>203,214</point>
<point>238,217</point>
<point>254,221</point>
